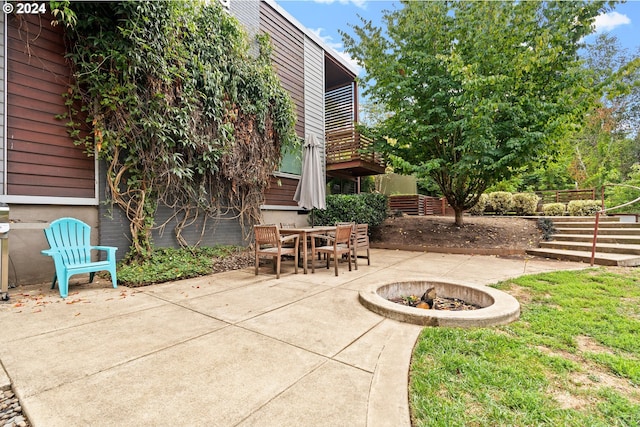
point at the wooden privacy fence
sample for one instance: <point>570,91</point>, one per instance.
<point>565,196</point>
<point>417,204</point>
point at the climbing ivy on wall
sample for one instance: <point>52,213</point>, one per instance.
<point>169,96</point>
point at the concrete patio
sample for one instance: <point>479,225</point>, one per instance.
<point>230,349</point>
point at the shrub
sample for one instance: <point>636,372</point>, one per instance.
<point>500,202</point>
<point>546,226</point>
<point>553,209</point>
<point>525,203</point>
<point>365,208</point>
<point>379,203</point>
<point>166,264</point>
<point>583,207</point>
<point>479,207</point>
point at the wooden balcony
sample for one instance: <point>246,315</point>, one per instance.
<point>350,154</point>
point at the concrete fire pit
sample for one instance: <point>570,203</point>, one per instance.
<point>497,307</point>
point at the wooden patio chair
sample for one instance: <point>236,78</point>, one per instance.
<point>270,244</point>
<point>70,248</point>
<point>360,242</point>
<point>287,225</point>
<point>337,245</point>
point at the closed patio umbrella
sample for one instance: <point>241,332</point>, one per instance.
<point>310,192</point>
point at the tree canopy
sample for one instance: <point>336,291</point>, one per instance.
<point>475,90</point>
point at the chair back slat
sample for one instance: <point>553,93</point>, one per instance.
<point>343,234</point>
<point>362,234</point>
<point>266,234</point>
<point>71,238</point>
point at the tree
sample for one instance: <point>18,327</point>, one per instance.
<point>476,90</point>
<point>605,150</point>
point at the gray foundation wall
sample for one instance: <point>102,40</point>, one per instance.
<point>26,239</point>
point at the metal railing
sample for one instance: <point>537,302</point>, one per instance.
<point>605,210</point>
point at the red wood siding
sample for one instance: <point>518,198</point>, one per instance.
<point>41,157</point>
<point>281,191</point>
<point>288,57</point>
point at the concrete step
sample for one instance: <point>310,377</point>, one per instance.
<point>601,231</point>
<point>602,238</point>
<point>591,224</point>
<point>586,246</point>
<point>578,219</point>
<point>601,258</point>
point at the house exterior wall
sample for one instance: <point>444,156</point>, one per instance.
<point>114,227</point>
<point>3,21</point>
<point>288,43</point>
<point>248,14</point>
<point>288,57</point>
<point>41,157</point>
<point>43,175</point>
<point>314,91</point>
<point>222,230</point>
<point>26,239</point>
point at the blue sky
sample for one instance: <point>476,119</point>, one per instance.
<point>326,17</point>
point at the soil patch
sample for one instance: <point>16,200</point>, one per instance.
<point>237,260</point>
<point>507,233</point>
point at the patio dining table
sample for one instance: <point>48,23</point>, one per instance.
<point>303,232</point>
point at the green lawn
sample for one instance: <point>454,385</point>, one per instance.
<point>573,358</point>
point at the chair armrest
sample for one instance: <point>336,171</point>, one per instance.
<point>110,250</point>
<point>322,236</point>
<point>105,248</point>
<point>289,237</point>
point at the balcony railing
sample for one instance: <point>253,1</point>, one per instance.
<point>352,153</point>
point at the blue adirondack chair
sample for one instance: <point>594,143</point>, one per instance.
<point>69,239</point>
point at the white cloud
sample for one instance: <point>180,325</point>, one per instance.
<point>328,40</point>
<point>610,21</point>
<point>337,46</point>
<point>350,60</point>
<point>357,3</point>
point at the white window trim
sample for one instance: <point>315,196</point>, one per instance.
<point>46,200</point>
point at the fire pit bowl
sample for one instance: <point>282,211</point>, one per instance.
<point>497,307</point>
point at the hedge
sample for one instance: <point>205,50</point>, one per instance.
<point>364,208</point>
<point>500,202</point>
<point>478,208</point>
<point>583,207</point>
<point>525,203</point>
<point>553,209</point>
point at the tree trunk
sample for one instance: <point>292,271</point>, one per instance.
<point>459,216</point>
